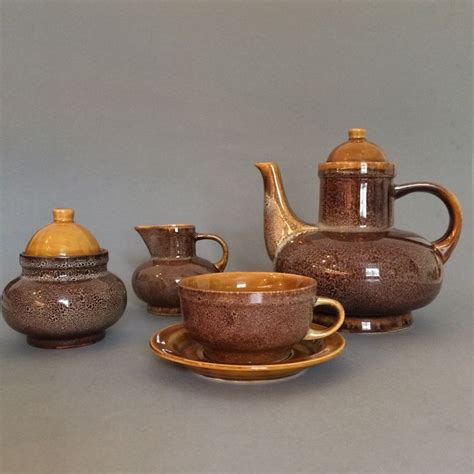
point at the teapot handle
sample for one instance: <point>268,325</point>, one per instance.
<point>446,244</point>
<point>222,262</point>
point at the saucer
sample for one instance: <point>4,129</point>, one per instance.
<point>173,343</point>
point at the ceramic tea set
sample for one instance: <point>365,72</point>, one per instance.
<point>248,325</point>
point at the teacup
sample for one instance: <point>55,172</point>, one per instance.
<point>252,317</point>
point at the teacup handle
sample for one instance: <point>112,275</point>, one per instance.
<point>222,262</point>
<point>314,333</point>
<point>444,245</point>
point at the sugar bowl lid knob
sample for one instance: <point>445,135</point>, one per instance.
<point>63,214</point>
<point>62,238</point>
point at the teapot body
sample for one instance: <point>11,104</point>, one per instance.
<point>378,277</point>
<point>64,302</point>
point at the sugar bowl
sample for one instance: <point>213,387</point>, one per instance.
<point>64,297</point>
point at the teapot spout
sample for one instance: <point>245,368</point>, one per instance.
<point>280,222</point>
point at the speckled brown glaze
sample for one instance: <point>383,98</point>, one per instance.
<point>341,192</point>
<point>379,273</point>
<point>245,317</point>
<point>63,302</point>
<point>373,275</point>
<point>173,251</point>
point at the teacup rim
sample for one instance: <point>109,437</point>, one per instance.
<point>312,283</point>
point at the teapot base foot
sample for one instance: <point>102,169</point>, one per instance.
<point>368,324</point>
<point>65,343</point>
<point>161,311</point>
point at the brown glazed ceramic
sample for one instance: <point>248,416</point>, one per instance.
<point>173,251</point>
<point>63,301</point>
<point>252,317</point>
<point>174,344</point>
<point>379,273</point>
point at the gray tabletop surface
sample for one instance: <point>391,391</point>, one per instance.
<point>390,403</point>
<point>143,112</point>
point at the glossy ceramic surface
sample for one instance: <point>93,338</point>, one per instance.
<point>251,317</point>
<point>379,273</point>
<point>175,345</point>
<point>62,238</point>
<point>173,251</point>
<point>64,302</point>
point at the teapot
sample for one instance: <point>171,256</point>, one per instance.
<point>378,272</point>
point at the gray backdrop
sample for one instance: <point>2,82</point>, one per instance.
<point>147,112</point>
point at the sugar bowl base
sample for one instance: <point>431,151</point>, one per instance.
<point>65,343</point>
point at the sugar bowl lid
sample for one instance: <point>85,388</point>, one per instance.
<point>62,238</point>
<point>357,154</point>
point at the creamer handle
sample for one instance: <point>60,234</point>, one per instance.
<point>222,262</point>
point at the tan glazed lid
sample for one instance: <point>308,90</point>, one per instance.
<point>62,238</point>
<point>357,154</point>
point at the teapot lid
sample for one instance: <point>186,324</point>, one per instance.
<point>355,152</point>
<point>62,238</point>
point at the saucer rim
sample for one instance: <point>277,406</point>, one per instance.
<point>313,359</point>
